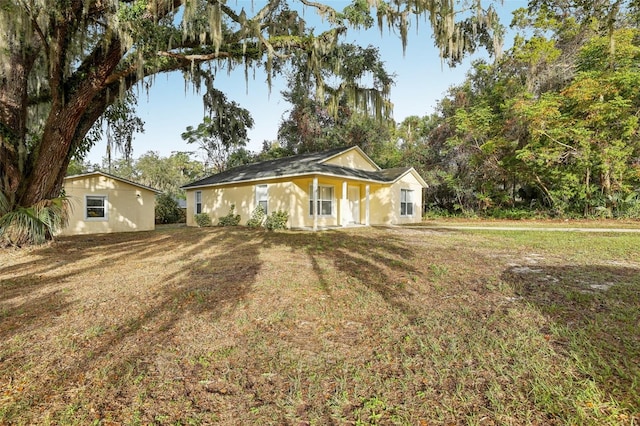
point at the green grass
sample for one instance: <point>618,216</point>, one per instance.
<point>361,326</point>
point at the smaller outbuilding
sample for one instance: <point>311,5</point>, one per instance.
<point>103,203</point>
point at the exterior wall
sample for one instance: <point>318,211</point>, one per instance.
<point>353,160</point>
<point>385,202</point>
<point>292,196</point>
<point>128,207</point>
<point>217,201</point>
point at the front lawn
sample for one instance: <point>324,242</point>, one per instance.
<point>360,326</point>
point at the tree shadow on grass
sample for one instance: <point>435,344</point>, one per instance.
<point>384,264</point>
<point>112,305</point>
<point>104,307</point>
<point>595,310</point>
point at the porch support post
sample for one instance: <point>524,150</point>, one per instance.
<point>367,190</point>
<point>315,203</point>
<point>344,205</point>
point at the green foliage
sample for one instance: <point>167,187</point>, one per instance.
<point>166,174</point>
<point>345,114</point>
<point>231,219</point>
<point>71,68</point>
<point>32,225</point>
<point>525,135</point>
<point>77,167</point>
<point>257,217</point>
<point>168,210</point>
<point>277,220</point>
<point>202,220</point>
<point>515,213</point>
<point>223,132</point>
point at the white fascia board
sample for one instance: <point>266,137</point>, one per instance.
<point>366,157</point>
<point>415,174</point>
<point>285,177</point>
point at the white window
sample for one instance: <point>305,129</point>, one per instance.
<point>324,200</point>
<point>406,202</point>
<point>96,207</point>
<point>262,197</point>
<point>198,202</point>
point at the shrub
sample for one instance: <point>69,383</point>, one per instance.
<point>257,217</point>
<point>32,225</point>
<point>202,220</point>
<point>231,219</point>
<point>168,210</point>
<point>277,220</point>
<point>513,213</point>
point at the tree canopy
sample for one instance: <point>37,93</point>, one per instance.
<point>64,64</point>
<point>551,127</point>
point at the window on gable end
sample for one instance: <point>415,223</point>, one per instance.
<point>406,202</point>
<point>262,197</point>
<point>198,202</point>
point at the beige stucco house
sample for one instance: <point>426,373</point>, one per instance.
<point>344,184</point>
<point>102,203</point>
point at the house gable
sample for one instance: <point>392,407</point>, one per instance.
<point>107,180</point>
<point>352,158</point>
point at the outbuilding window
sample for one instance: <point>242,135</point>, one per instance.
<point>262,198</point>
<point>96,207</point>
<point>406,202</point>
<point>198,202</point>
<point>324,200</point>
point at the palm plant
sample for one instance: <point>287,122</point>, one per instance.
<point>34,224</point>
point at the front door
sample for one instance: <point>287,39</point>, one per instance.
<point>354,204</point>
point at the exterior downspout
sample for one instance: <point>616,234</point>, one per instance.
<point>344,205</point>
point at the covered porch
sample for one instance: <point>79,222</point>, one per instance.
<point>352,201</point>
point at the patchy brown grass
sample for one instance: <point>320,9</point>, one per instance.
<point>358,326</point>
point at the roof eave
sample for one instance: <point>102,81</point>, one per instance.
<point>209,185</point>
<point>415,174</point>
<point>110,176</point>
<point>357,148</point>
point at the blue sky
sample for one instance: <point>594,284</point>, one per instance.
<point>168,107</point>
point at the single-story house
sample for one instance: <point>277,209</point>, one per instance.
<point>101,203</point>
<point>344,185</point>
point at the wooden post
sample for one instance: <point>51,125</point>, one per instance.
<point>366,216</point>
<point>315,204</point>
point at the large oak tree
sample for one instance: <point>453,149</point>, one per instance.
<point>63,63</point>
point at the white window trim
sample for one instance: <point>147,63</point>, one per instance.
<point>320,200</point>
<point>411,203</point>
<point>105,206</point>
<point>195,205</point>
<point>266,197</point>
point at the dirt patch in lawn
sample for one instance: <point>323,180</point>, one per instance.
<point>358,326</point>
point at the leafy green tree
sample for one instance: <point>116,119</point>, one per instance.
<point>77,167</point>
<point>552,123</point>
<point>64,64</point>
<point>240,157</point>
<point>221,133</point>
<point>168,210</point>
<point>166,174</point>
<point>343,114</point>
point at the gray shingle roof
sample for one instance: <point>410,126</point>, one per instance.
<point>297,165</point>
